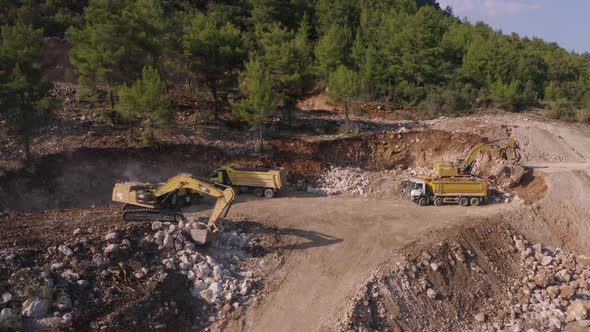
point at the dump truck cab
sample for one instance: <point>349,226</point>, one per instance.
<point>417,191</point>
<point>220,176</point>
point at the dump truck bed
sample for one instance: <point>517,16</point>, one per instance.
<point>458,188</point>
<point>258,177</point>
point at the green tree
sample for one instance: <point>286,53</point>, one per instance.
<point>260,98</point>
<point>116,41</point>
<point>336,12</point>
<point>288,57</point>
<point>343,88</point>
<point>286,12</point>
<point>146,103</point>
<point>23,91</point>
<point>213,51</point>
<point>332,49</point>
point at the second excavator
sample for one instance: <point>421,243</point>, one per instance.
<point>161,202</point>
<point>463,167</point>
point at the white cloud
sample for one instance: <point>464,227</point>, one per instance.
<point>487,8</point>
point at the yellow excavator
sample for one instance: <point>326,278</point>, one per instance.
<point>463,167</point>
<point>162,202</point>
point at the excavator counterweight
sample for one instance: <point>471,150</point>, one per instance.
<point>151,202</point>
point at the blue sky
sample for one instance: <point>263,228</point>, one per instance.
<point>566,22</point>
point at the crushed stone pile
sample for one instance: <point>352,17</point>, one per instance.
<point>338,180</point>
<point>63,287</point>
<point>555,290</point>
<point>217,281</point>
<point>425,171</point>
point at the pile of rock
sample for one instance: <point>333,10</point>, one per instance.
<point>40,297</point>
<point>554,292</point>
<point>426,171</point>
<point>219,281</point>
<point>338,180</point>
<point>556,289</point>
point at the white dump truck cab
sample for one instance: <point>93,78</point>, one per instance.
<point>416,189</point>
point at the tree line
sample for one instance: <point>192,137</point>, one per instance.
<point>408,53</point>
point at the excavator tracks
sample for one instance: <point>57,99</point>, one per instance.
<point>151,215</point>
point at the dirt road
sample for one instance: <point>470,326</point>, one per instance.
<point>339,240</point>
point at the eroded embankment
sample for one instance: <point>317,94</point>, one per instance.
<point>85,176</point>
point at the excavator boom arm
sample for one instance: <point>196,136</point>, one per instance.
<point>224,196</point>
<point>509,146</point>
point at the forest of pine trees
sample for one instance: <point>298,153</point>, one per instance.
<point>407,53</point>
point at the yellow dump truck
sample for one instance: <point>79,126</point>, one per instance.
<point>262,181</point>
<point>464,192</point>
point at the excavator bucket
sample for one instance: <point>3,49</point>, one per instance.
<point>200,236</point>
<point>516,173</point>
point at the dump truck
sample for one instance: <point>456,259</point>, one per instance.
<point>262,181</point>
<point>440,191</point>
<point>162,202</point>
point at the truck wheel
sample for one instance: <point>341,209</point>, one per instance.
<point>269,193</point>
<point>258,192</point>
<point>438,201</point>
<point>474,201</point>
<point>464,201</point>
<point>423,201</point>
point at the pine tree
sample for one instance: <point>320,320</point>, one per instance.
<point>117,40</point>
<point>23,90</point>
<point>145,103</point>
<point>213,51</point>
<point>343,89</point>
<point>285,12</point>
<point>260,99</point>
<point>288,58</point>
<point>332,49</point>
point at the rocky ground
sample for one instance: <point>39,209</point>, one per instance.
<point>549,288</point>
<point>152,275</point>
<point>340,249</point>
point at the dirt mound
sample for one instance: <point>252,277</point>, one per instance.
<point>531,188</point>
<point>438,286</point>
<point>481,278</point>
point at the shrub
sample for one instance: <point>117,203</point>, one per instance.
<point>583,116</point>
<point>563,109</point>
<point>447,102</point>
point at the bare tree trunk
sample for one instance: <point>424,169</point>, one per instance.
<point>188,81</point>
<point>260,138</point>
<point>347,123</point>
<point>290,108</point>
<point>26,129</point>
<point>214,93</point>
<point>110,91</point>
